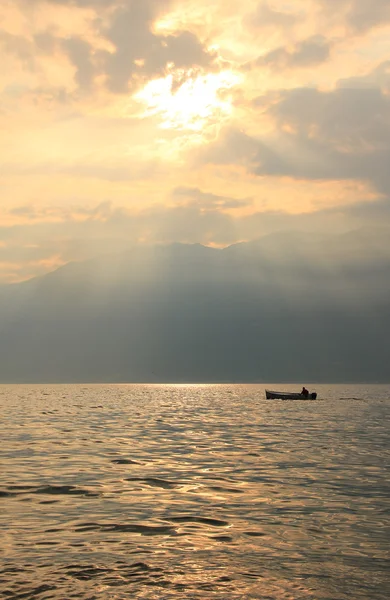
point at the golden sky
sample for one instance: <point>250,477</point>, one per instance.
<point>157,121</point>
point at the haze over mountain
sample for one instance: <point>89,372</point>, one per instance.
<point>285,307</point>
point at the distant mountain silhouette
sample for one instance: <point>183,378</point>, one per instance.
<point>284,307</point>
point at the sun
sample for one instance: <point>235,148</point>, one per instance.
<point>187,100</point>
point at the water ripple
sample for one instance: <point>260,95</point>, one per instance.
<point>113,492</point>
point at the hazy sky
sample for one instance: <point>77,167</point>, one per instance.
<point>129,121</point>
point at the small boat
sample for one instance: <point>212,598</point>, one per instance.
<point>289,395</point>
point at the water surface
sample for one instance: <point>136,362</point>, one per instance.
<point>180,491</point>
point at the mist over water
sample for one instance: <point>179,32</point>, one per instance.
<point>202,491</point>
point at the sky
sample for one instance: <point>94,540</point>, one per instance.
<point>159,121</point>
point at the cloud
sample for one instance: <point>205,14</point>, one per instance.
<point>347,130</point>
<point>105,170</point>
<point>28,212</point>
<point>235,147</point>
<point>19,47</point>
<point>120,49</point>
<point>347,118</point>
<point>133,171</point>
<point>379,78</point>
<point>140,52</point>
<point>207,201</point>
<point>266,16</point>
<point>318,135</point>
<point>101,4</point>
<point>337,135</point>
<point>359,15</point>
<point>307,53</point>
<point>31,213</point>
<point>80,53</point>
<point>365,14</point>
<point>43,238</point>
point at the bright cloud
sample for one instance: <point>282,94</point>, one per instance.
<point>194,102</point>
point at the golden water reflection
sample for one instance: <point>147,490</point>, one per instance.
<point>193,491</point>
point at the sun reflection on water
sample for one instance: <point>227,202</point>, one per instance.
<point>204,490</point>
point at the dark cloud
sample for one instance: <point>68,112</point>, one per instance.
<point>369,213</point>
<point>365,14</point>
<point>78,3</point>
<point>19,47</point>
<point>139,52</point>
<point>348,118</point>
<point>80,53</point>
<point>46,42</point>
<point>347,130</point>
<point>307,53</point>
<point>360,15</point>
<point>131,34</point>
<point>27,211</point>
<point>341,134</point>
<point>235,147</point>
<point>379,78</point>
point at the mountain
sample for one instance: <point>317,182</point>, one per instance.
<point>287,307</point>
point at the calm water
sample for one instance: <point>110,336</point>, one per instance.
<point>131,491</point>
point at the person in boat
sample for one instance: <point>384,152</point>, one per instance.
<point>305,392</point>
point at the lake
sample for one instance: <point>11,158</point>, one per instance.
<point>194,491</point>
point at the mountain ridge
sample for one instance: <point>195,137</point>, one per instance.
<point>193,313</point>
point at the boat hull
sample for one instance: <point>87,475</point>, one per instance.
<point>270,395</point>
